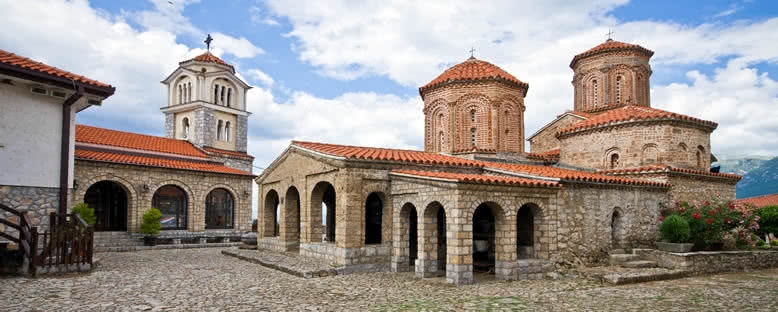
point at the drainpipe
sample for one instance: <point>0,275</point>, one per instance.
<point>64,159</point>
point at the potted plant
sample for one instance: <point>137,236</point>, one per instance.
<point>86,213</point>
<point>674,233</point>
<point>151,226</point>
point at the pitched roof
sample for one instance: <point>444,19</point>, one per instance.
<point>552,155</point>
<point>29,64</point>
<point>611,45</point>
<point>478,178</point>
<point>632,113</point>
<point>221,151</point>
<point>384,154</point>
<point>666,168</point>
<point>569,174</point>
<point>152,161</point>
<point>760,201</point>
<point>207,57</point>
<point>472,70</point>
<point>102,136</point>
<point>581,115</point>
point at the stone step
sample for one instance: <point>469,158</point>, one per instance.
<point>621,258</point>
<point>638,264</point>
<point>618,251</point>
<point>117,244</point>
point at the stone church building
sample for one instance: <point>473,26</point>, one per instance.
<point>474,201</point>
<point>199,175</point>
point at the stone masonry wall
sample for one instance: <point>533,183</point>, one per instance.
<point>546,140</point>
<point>38,202</point>
<point>691,188</point>
<point>170,125</point>
<point>637,144</point>
<point>241,133</point>
<point>140,183</point>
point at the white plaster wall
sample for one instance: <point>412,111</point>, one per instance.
<point>224,117</point>
<point>30,133</point>
<point>180,126</point>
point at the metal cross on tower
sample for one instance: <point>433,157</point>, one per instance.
<point>208,42</point>
<point>472,51</point>
<point>610,34</point>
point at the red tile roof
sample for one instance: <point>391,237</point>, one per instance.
<point>472,70</point>
<point>569,174</point>
<point>474,150</point>
<point>760,201</point>
<point>101,136</point>
<point>385,154</point>
<point>666,168</point>
<point>478,178</point>
<point>611,45</point>
<point>151,161</point>
<point>26,63</point>
<point>221,151</point>
<point>552,155</point>
<point>209,58</point>
<point>632,113</point>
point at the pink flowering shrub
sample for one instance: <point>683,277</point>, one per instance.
<point>717,221</point>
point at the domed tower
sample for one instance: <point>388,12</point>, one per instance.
<point>207,104</point>
<point>474,106</point>
<point>610,75</point>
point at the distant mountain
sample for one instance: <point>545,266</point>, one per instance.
<point>740,165</point>
<point>761,180</point>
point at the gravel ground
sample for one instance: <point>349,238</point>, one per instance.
<point>205,280</point>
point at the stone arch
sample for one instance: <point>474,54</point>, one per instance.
<point>510,121</point>
<point>650,154</point>
<point>432,241</point>
<point>488,222</point>
<point>463,107</point>
<point>269,216</point>
<point>220,94</point>
<point>110,203</point>
<point>440,127</point>
<point>620,89</point>
<point>683,153</point>
<point>323,195</point>
<point>290,218</point>
<point>406,246</point>
<point>183,89</point>
<point>132,196</point>
<point>617,228</point>
<point>593,85</point>
<point>375,204</point>
<point>528,223</point>
<point>191,212</point>
<point>612,158</point>
<point>236,201</point>
<point>700,155</point>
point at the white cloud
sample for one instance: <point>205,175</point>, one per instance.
<point>166,16</point>
<point>241,48</point>
<point>260,76</point>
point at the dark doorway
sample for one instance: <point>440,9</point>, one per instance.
<point>616,229</point>
<point>373,213</point>
<point>292,215</point>
<point>525,229</point>
<point>441,216</point>
<point>413,237</point>
<point>329,200</point>
<point>483,239</point>
<point>109,200</point>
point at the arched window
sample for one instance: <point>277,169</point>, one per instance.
<point>185,126</point>
<point>219,130</point>
<point>219,209</point>
<point>180,94</point>
<point>595,94</point>
<point>618,89</point>
<point>373,214</point>
<point>221,95</point>
<point>700,155</point>
<point>227,131</point>
<point>171,202</point>
<point>472,137</point>
<point>189,92</point>
<point>442,140</point>
<point>215,94</point>
<point>614,161</point>
<point>229,97</point>
<point>472,116</point>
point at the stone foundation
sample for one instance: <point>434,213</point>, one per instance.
<point>275,244</point>
<point>371,258</point>
<point>707,262</point>
<point>38,202</point>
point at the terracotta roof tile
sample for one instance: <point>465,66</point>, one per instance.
<point>665,168</point>
<point>760,201</point>
<point>610,46</point>
<point>26,63</point>
<point>221,151</point>
<point>101,136</point>
<point>384,154</point>
<point>209,58</point>
<point>153,161</point>
<point>471,70</point>
<point>631,113</point>
<point>552,155</point>
<point>570,175</point>
<point>474,150</point>
<point>478,178</point>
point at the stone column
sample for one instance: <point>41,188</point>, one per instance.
<point>427,263</point>
<point>170,125</point>
<point>459,236</point>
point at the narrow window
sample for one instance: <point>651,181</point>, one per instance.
<point>185,126</point>
<point>189,87</point>
<point>215,94</point>
<point>614,161</point>
<point>472,137</point>
<point>227,131</point>
<point>229,97</point>
<point>219,130</point>
<point>442,141</point>
<point>594,92</point>
<point>180,95</point>
<point>618,89</point>
<point>472,116</point>
<point>221,96</point>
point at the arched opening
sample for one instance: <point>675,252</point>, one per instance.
<point>188,91</point>
<point>435,234</point>
<point>221,95</point>
<point>700,157</point>
<point>650,154</point>
<point>618,89</point>
<point>373,214</point>
<point>525,231</point>
<point>172,203</point>
<point>180,94</point>
<point>219,130</point>
<point>323,212</point>
<point>109,200</point>
<point>229,97</point>
<point>185,126</point>
<point>484,239</point>
<point>406,246</point>
<point>292,215</point>
<point>270,215</point>
<point>227,131</point>
<point>614,161</point>
<point>682,153</point>
<point>617,227</point>
<point>216,94</point>
<point>413,236</point>
<point>472,137</point>
<point>219,209</point>
<point>595,93</point>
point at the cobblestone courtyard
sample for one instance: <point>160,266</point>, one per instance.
<point>205,280</point>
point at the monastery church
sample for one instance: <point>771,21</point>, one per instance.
<point>596,179</point>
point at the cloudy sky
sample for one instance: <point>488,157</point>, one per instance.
<point>348,71</point>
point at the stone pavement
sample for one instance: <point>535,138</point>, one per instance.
<point>206,280</point>
<point>288,262</point>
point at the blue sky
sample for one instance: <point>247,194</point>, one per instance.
<point>348,71</point>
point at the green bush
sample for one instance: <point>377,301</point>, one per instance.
<point>151,225</point>
<point>768,220</point>
<point>674,229</point>
<point>774,243</point>
<point>86,213</point>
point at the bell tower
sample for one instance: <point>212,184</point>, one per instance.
<point>207,104</point>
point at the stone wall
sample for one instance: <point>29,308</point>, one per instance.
<point>586,232</point>
<point>691,188</point>
<point>637,144</point>
<point>38,202</point>
<point>140,183</point>
<point>241,134</point>
<point>545,140</point>
<point>708,262</point>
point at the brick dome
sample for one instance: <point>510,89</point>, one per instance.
<point>472,69</point>
<point>611,45</point>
